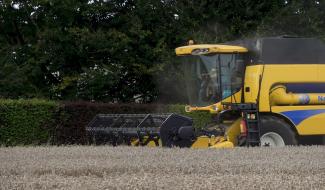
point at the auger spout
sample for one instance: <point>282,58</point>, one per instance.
<point>280,96</point>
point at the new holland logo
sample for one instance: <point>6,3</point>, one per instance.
<point>304,99</point>
<point>321,98</point>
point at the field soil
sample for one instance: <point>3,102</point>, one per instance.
<point>104,167</point>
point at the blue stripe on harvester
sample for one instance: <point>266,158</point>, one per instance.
<point>299,115</point>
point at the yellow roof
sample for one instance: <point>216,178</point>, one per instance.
<point>209,48</point>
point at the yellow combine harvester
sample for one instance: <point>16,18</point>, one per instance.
<point>260,92</point>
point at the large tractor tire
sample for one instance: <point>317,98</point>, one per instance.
<point>276,132</point>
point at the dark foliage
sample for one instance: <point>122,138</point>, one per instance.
<point>123,51</point>
<point>26,122</point>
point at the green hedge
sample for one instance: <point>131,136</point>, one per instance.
<point>24,122</point>
<point>33,122</point>
<point>200,118</point>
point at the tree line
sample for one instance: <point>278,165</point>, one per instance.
<point>123,50</point>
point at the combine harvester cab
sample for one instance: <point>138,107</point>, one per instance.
<point>260,92</point>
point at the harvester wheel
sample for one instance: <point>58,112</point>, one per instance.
<point>276,132</point>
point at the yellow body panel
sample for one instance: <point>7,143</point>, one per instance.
<point>277,74</point>
<point>229,141</point>
<point>282,102</point>
<point>305,118</point>
<point>225,144</point>
<point>205,141</point>
<point>251,82</point>
<point>312,125</point>
<point>210,48</point>
<point>233,132</point>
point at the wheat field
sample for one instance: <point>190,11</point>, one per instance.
<point>104,167</point>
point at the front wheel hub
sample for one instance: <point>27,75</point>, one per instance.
<point>272,139</point>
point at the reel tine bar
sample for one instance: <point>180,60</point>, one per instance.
<point>118,129</point>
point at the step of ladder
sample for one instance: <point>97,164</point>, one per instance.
<point>252,124</point>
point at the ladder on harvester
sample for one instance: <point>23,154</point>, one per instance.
<point>252,122</point>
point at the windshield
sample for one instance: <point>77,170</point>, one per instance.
<point>211,78</point>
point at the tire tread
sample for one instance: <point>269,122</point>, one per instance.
<point>278,125</point>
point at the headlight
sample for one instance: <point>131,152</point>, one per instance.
<point>215,108</point>
<point>200,51</point>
